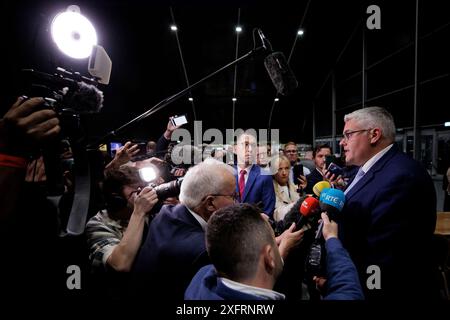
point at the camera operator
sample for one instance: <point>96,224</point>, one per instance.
<point>25,216</point>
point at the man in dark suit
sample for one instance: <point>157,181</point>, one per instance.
<point>252,184</point>
<point>390,211</point>
<point>319,154</point>
<point>174,249</point>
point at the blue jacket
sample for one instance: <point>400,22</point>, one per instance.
<point>342,284</point>
<point>388,220</point>
<point>342,277</point>
<point>206,286</point>
<point>259,188</point>
<point>172,253</point>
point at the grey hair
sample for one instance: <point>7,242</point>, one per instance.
<point>202,180</point>
<point>374,117</point>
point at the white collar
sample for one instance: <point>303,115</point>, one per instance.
<point>369,163</point>
<point>200,220</point>
<point>247,168</point>
<point>254,291</point>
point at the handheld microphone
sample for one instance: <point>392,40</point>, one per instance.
<point>303,213</point>
<point>320,186</point>
<point>332,201</point>
<point>278,68</point>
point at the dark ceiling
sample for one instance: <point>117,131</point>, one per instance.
<point>147,66</point>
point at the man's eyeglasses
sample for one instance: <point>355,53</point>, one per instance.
<point>347,135</point>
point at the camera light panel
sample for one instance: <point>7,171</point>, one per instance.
<point>74,34</point>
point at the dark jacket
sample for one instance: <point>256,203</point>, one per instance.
<point>172,253</point>
<point>388,221</point>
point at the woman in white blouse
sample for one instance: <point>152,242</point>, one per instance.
<point>285,192</point>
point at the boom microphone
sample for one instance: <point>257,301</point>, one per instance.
<point>278,68</point>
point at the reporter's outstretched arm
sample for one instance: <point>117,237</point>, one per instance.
<point>342,277</point>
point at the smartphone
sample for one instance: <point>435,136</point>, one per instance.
<point>329,159</point>
<point>335,169</point>
<point>179,120</point>
<point>113,147</point>
<point>298,171</point>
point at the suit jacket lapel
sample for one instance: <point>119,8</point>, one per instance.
<point>250,181</point>
<point>372,172</point>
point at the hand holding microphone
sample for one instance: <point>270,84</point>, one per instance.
<point>332,202</point>
<point>330,228</point>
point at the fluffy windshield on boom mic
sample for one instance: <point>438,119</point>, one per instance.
<point>281,74</point>
<point>278,68</point>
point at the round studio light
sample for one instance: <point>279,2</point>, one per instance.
<point>73,33</point>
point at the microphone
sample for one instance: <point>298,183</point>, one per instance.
<point>278,68</point>
<point>309,211</point>
<point>320,186</point>
<point>332,201</point>
<point>303,213</point>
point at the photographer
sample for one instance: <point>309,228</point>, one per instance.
<point>174,249</point>
<point>115,234</point>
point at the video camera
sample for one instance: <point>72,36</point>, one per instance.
<point>67,93</point>
<point>70,95</point>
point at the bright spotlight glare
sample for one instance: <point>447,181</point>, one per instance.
<point>238,29</point>
<point>447,124</point>
<point>74,34</point>
<point>300,32</point>
<point>173,28</point>
<point>148,174</point>
<point>276,99</point>
<point>191,99</point>
<point>234,99</point>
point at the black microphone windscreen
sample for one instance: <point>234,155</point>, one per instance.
<point>281,74</point>
<point>86,99</point>
<point>294,213</point>
<point>332,211</point>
